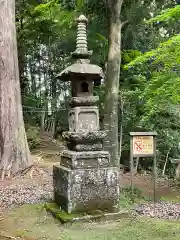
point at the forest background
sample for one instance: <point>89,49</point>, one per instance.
<point>149,87</point>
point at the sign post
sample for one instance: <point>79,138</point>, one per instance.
<point>143,144</point>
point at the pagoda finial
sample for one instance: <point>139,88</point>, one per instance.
<point>81,40</point>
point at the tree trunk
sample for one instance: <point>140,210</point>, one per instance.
<point>14,150</point>
<point>112,80</point>
<point>33,78</point>
<point>167,157</point>
<point>53,101</point>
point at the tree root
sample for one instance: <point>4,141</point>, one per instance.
<point>6,171</point>
<point>30,171</point>
<point>5,174</point>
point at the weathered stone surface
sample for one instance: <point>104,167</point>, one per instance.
<point>85,147</point>
<point>84,119</point>
<point>84,137</point>
<point>85,180</point>
<point>84,101</point>
<point>86,189</point>
<point>81,69</point>
<point>80,160</point>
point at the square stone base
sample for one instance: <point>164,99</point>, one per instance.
<point>85,159</point>
<point>83,190</point>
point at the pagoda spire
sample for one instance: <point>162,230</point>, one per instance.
<point>81,40</point>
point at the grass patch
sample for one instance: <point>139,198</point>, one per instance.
<point>174,199</point>
<point>32,222</point>
<point>127,200</point>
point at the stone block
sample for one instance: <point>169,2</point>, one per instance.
<point>85,190</point>
<point>84,119</point>
<point>84,147</point>
<point>84,137</point>
<point>84,101</point>
<point>85,159</point>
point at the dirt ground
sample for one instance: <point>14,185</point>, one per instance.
<point>141,181</point>
<point>145,184</point>
<point>47,155</point>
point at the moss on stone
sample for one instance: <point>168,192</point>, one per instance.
<point>20,233</point>
<point>61,215</point>
<point>65,217</point>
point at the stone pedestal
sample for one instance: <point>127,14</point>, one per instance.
<point>84,190</point>
<point>85,180</point>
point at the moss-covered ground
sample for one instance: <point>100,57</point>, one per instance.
<point>89,216</point>
<point>31,222</point>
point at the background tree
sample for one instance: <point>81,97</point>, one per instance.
<point>46,38</point>
<point>14,150</point>
<point>112,79</point>
<point>159,68</point>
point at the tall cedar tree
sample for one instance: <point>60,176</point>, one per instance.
<point>14,150</point>
<point>112,79</point>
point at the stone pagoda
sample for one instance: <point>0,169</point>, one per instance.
<point>85,179</point>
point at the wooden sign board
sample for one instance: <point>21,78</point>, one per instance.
<point>143,145</point>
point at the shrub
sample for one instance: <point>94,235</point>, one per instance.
<point>33,136</point>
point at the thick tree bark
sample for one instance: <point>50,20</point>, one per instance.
<point>112,80</point>
<point>14,150</point>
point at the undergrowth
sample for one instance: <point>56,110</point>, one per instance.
<point>127,199</point>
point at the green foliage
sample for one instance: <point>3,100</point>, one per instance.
<point>167,54</point>
<point>162,91</point>
<point>33,136</point>
<point>47,35</point>
<point>127,199</point>
<point>160,69</point>
<point>136,191</point>
<point>129,55</point>
<point>167,15</point>
<point>162,65</point>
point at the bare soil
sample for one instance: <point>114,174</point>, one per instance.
<point>145,184</point>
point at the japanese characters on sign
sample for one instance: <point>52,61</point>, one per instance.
<point>143,145</point>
